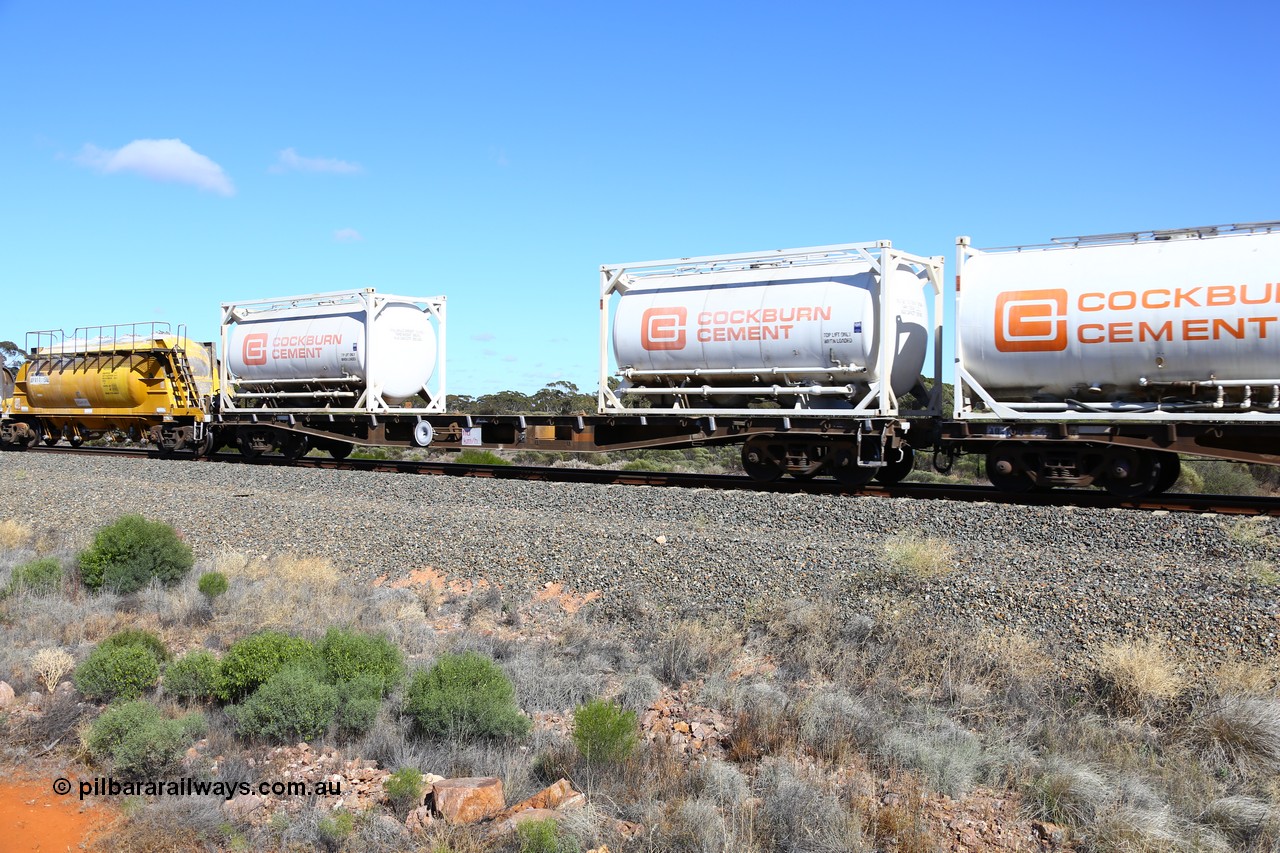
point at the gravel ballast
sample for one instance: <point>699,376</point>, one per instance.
<point>1072,577</point>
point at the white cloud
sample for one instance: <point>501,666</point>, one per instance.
<point>291,161</point>
<point>169,160</point>
<point>347,235</point>
<point>508,358</point>
<point>482,336</point>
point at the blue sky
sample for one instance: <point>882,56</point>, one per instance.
<point>498,153</point>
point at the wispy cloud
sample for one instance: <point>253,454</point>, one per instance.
<point>170,160</point>
<point>482,336</point>
<point>291,161</point>
<point>508,358</point>
<point>347,235</point>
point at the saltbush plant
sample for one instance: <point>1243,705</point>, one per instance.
<point>358,702</point>
<point>404,789</point>
<point>292,705</point>
<point>193,677</point>
<point>38,577</point>
<point>604,733</point>
<point>212,585</point>
<point>131,552</point>
<point>348,655</point>
<point>117,672</point>
<point>252,661</point>
<point>465,696</point>
<point>139,740</point>
<point>137,637</point>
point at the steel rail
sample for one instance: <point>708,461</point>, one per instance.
<point>1093,498</point>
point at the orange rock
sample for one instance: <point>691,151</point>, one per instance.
<point>469,799</point>
<point>550,797</point>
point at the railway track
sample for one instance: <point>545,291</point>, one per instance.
<point>1216,504</point>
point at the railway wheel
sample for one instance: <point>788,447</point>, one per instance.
<point>1132,473</point>
<point>51,440</point>
<point>847,471</point>
<point>759,461</point>
<point>340,450</point>
<point>75,441</point>
<point>896,472</point>
<point>1006,471</point>
<point>1170,471</point>
<point>295,446</point>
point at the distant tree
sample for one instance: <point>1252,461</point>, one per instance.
<point>503,403</point>
<point>12,354</point>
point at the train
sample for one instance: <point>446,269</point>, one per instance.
<point>1084,361</point>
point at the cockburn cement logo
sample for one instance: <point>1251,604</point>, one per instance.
<point>1031,321</point>
<point>255,349</point>
<point>1049,320</point>
<point>664,328</point>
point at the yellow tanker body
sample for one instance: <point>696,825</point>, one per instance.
<point>138,379</point>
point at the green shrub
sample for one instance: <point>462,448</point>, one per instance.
<point>292,705</point>
<point>465,696</point>
<point>137,637</point>
<point>123,672</point>
<point>250,662</point>
<point>542,836</point>
<point>38,577</point>
<point>348,656</point>
<point>193,677</point>
<point>336,828</point>
<point>212,585</point>
<point>358,704</point>
<point>138,739</point>
<point>404,789</point>
<point>604,733</point>
<point>480,457</point>
<point>128,554</point>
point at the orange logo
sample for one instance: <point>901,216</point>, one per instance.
<point>1031,321</point>
<point>663,328</point>
<point>255,349</point>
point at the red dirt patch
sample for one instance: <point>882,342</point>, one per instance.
<point>33,818</point>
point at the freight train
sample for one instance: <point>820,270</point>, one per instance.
<point>1084,361</point>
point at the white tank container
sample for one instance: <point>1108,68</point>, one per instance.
<point>819,320</point>
<point>394,352</point>
<point>1124,319</point>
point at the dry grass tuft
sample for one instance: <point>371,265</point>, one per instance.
<point>1251,532</point>
<point>1239,677</point>
<point>1243,732</point>
<point>1139,675</point>
<point>283,592</point>
<point>922,557</point>
<point>51,665</point>
<point>13,534</point>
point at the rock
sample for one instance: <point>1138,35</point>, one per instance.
<point>242,805</point>
<point>1050,832</point>
<point>510,823</point>
<point>550,797</point>
<point>469,799</point>
<point>6,694</point>
<point>420,819</point>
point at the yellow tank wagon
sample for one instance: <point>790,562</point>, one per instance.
<point>139,379</point>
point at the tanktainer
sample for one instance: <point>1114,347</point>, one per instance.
<point>804,329</point>
<point>375,359</point>
<point>1162,323</point>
